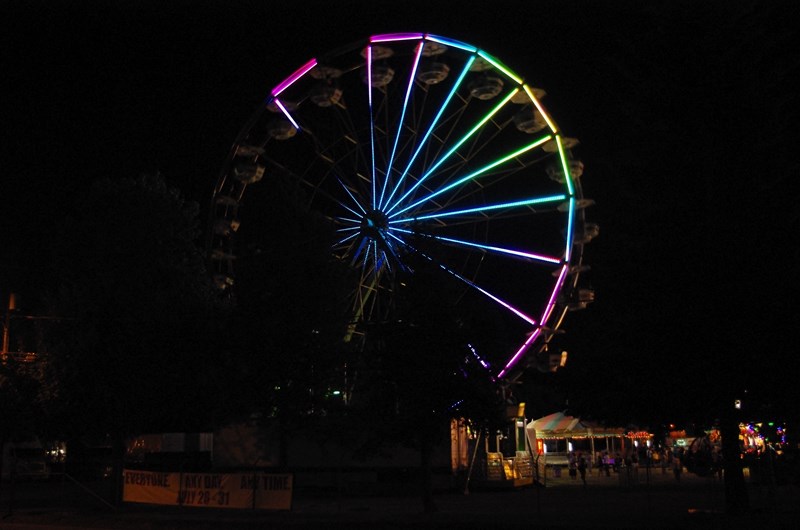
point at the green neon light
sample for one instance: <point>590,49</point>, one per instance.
<point>513,204</point>
<point>466,137</point>
<point>430,130</point>
<point>565,166</point>
<point>474,130</point>
<point>494,62</point>
<point>474,174</point>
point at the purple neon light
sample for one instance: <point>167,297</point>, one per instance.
<point>517,356</point>
<point>371,122</point>
<point>478,357</point>
<point>519,253</point>
<point>303,70</point>
<point>508,306</point>
<point>389,37</point>
<point>557,289</point>
<point>545,316</point>
<point>503,303</point>
<point>286,113</point>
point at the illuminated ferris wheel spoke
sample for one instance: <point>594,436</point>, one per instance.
<point>344,206</point>
<point>341,242</point>
<point>482,209</point>
<point>371,123</point>
<point>484,247</point>
<point>352,197</point>
<point>496,299</point>
<point>411,81</point>
<point>519,313</point>
<point>520,352</point>
<point>475,174</point>
<point>434,123</point>
<point>453,149</point>
<point>347,221</point>
<point>445,149</point>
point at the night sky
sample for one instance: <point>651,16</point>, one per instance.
<point>685,112</point>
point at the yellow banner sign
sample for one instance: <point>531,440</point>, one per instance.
<point>265,491</point>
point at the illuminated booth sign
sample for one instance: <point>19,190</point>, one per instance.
<point>264,491</point>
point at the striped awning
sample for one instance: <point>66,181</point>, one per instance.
<point>556,423</point>
<point>560,425</point>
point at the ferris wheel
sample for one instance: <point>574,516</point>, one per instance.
<point>421,150</point>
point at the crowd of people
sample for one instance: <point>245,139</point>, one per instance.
<point>606,463</point>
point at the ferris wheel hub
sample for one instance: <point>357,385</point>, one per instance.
<point>374,225</point>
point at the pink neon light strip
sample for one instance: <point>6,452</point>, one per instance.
<point>548,311</point>
<point>303,70</point>
<point>557,289</point>
<point>515,359</point>
<point>472,284</point>
<point>371,123</point>
<point>395,36</point>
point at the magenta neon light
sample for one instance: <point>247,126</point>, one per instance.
<point>557,289</point>
<point>289,81</point>
<point>508,306</point>
<point>522,254</point>
<point>388,37</point>
<point>371,122</point>
<point>522,349</point>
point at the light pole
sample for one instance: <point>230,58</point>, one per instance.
<point>12,305</point>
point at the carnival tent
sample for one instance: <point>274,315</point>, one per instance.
<point>560,426</point>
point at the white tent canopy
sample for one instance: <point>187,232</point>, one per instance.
<point>558,426</point>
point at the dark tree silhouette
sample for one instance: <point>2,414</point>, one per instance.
<point>421,373</point>
<point>133,349</point>
<point>290,316</point>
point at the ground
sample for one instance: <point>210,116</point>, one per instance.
<point>649,500</point>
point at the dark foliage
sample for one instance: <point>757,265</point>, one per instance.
<point>132,348</point>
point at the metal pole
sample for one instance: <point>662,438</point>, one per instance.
<point>472,464</point>
<point>12,305</point>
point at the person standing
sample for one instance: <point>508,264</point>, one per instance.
<point>572,466</point>
<point>677,466</point>
<point>582,467</point>
<point>607,463</point>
